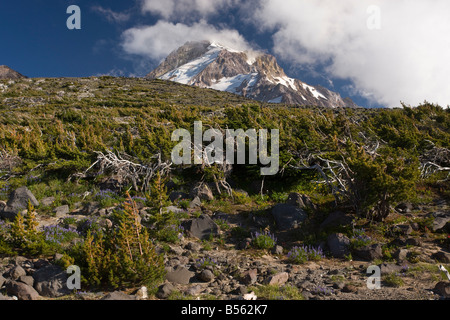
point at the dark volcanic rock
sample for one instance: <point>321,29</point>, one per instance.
<point>288,216</point>
<point>443,289</point>
<point>339,245</point>
<point>180,275</point>
<point>18,201</point>
<point>369,253</point>
<point>300,200</point>
<point>202,227</point>
<point>441,221</point>
<point>51,281</point>
<point>21,290</point>
<point>336,219</point>
<point>165,290</point>
<point>442,256</point>
<point>206,275</point>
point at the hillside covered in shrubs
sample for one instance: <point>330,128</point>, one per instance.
<point>102,193</point>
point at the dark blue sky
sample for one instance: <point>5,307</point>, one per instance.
<point>37,43</point>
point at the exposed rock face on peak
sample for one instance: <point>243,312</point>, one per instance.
<point>8,73</point>
<point>179,57</point>
<point>255,75</point>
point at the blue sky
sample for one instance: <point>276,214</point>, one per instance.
<point>402,57</point>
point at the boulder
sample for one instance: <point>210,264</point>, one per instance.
<point>443,289</point>
<point>287,216</point>
<point>195,203</point>
<point>51,281</point>
<point>441,256</point>
<point>260,222</point>
<point>165,290</point>
<point>180,275</point>
<point>202,227</point>
<point>16,272</point>
<point>404,229</point>
<point>194,290</point>
<point>441,221</point>
<point>369,253</point>
<point>27,280</point>
<point>250,277</point>
<point>388,268</point>
<point>401,255</point>
<point>194,246</point>
<point>300,200</point>
<point>61,211</point>
<point>21,290</point>
<point>17,202</point>
<point>90,208</point>
<point>416,242</point>
<point>203,191</point>
<point>278,279</point>
<point>336,219</point>
<point>338,244</point>
<point>5,298</point>
<point>48,201</point>
<point>177,250</point>
<point>173,209</point>
<point>23,262</point>
<point>40,263</point>
<point>177,196</point>
<point>206,276</point>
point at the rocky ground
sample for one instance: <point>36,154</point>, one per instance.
<point>209,263</point>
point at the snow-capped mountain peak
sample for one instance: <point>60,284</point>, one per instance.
<point>253,74</point>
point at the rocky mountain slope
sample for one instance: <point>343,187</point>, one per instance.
<point>8,73</point>
<point>255,75</point>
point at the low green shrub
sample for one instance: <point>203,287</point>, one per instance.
<point>264,240</point>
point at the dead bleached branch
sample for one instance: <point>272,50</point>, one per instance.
<point>140,175</point>
<point>436,159</point>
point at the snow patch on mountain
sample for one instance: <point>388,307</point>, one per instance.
<point>285,81</point>
<point>232,84</point>
<point>314,91</point>
<point>186,72</point>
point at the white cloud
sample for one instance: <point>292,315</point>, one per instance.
<point>111,15</point>
<point>185,9</point>
<point>406,60</point>
<point>157,41</point>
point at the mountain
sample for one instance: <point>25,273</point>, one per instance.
<point>8,73</point>
<point>255,75</point>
